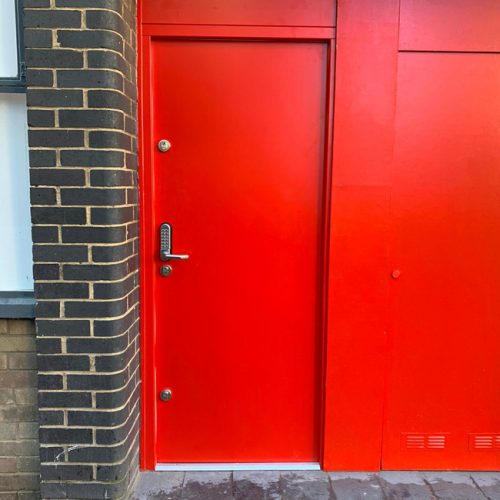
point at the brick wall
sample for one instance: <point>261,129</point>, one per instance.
<point>19,461</point>
<point>81,78</point>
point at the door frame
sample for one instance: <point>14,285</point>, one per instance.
<point>147,33</point>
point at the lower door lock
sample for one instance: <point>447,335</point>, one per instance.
<point>166,395</point>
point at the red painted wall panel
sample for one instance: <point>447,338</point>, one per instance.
<point>362,154</point>
<point>444,376</point>
<point>241,12</point>
<point>441,121</point>
<point>444,25</point>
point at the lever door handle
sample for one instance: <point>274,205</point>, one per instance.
<point>169,256</point>
<point>166,244</point>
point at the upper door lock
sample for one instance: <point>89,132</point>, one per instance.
<point>164,145</point>
<point>166,244</point>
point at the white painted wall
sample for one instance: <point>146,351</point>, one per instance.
<point>8,39</point>
<point>15,231</point>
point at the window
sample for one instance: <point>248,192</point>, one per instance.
<point>16,275</point>
<point>12,72</point>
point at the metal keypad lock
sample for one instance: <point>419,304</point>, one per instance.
<point>166,244</point>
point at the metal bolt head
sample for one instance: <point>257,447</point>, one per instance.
<point>164,145</point>
<point>166,395</point>
<point>165,271</point>
<point>396,274</point>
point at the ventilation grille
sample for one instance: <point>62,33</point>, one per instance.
<point>485,441</point>
<point>423,441</point>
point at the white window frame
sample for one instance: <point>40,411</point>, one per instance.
<point>17,304</point>
<point>17,83</point>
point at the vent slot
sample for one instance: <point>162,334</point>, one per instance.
<point>424,441</point>
<point>482,442</point>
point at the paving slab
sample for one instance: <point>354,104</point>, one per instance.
<point>159,486</point>
<point>207,486</point>
<point>355,486</point>
<point>256,485</point>
<point>488,483</point>
<point>317,485</point>
<point>311,485</point>
<point>404,485</point>
<point>453,486</point>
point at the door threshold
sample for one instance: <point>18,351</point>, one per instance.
<point>257,466</point>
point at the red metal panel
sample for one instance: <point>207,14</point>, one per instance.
<point>241,12</point>
<point>238,325</point>
<point>239,32</point>
<point>363,135</point>
<point>444,380</point>
<point>444,25</point>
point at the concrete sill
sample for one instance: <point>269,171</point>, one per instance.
<point>17,305</point>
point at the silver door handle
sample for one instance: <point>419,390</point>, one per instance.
<point>169,256</point>
<point>166,244</point>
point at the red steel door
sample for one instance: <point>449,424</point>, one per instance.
<point>443,397</point>
<point>238,324</point>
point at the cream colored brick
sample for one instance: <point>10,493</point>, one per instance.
<point>14,482</point>
<point>8,464</point>
<point>6,397</point>
<point>19,413</point>
<point>28,447</point>
<point>22,360</point>
<point>26,396</point>
<point>18,343</point>
<point>17,379</point>
<point>28,464</point>
<point>28,430</point>
<point>21,327</point>
<point>8,430</point>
